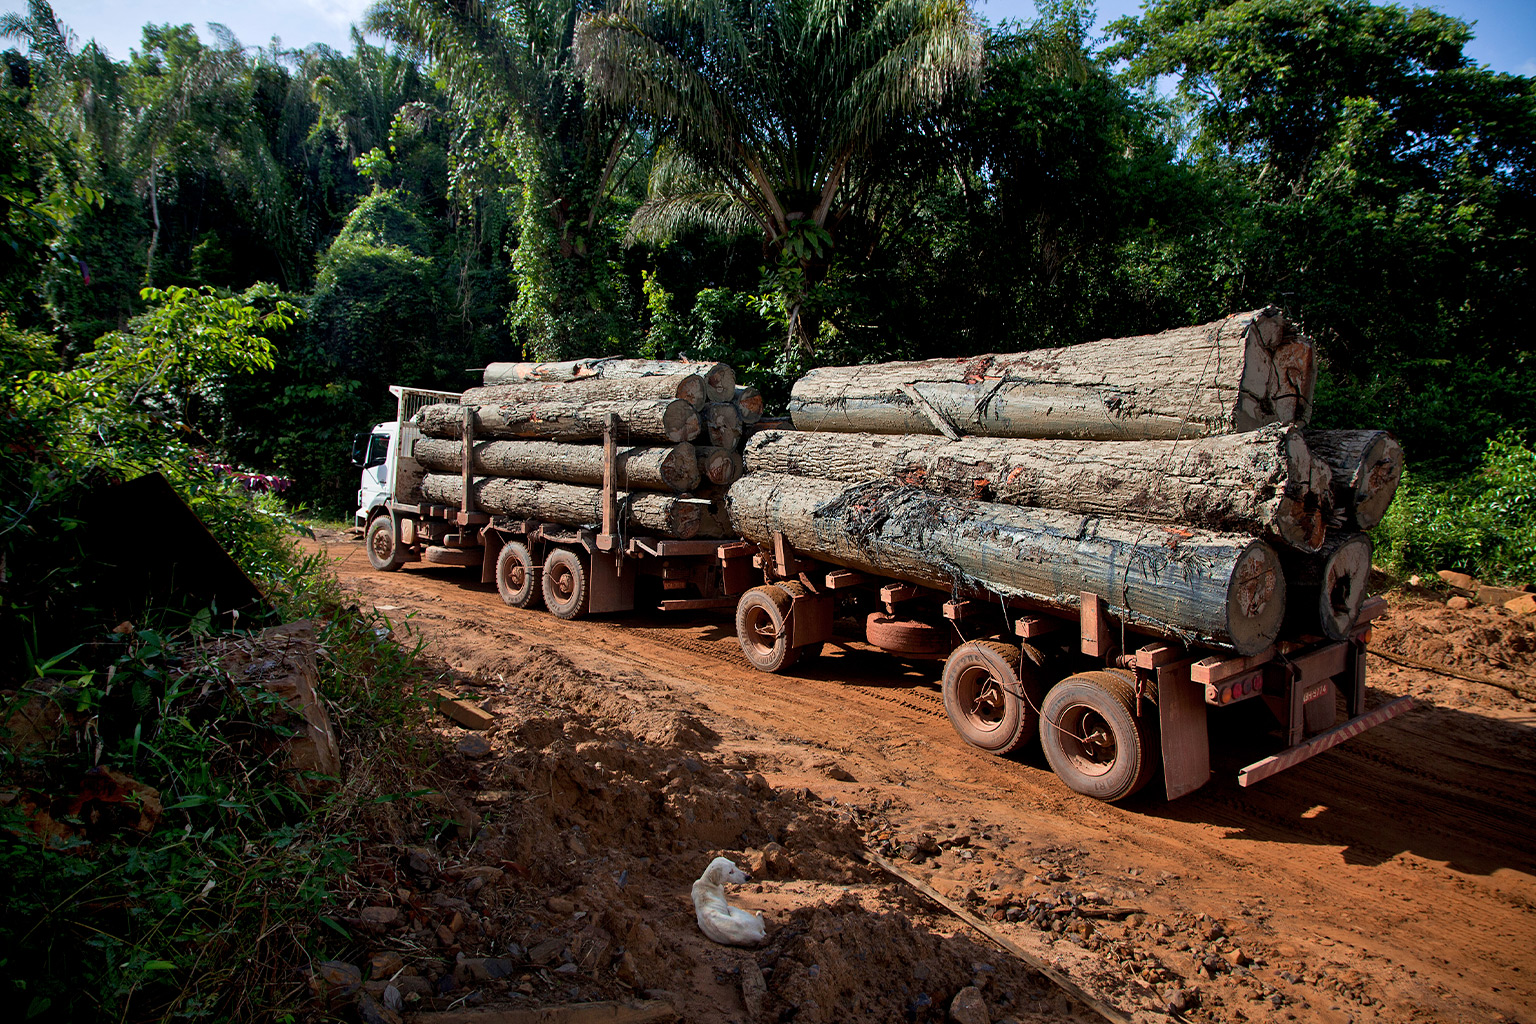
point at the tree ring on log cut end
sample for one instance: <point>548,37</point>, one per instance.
<point>1381,468</point>
<point>1345,576</point>
<point>681,421</point>
<point>1255,599</point>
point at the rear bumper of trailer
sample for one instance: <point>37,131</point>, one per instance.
<point>1293,756</point>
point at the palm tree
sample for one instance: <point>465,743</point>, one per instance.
<point>521,105</point>
<point>793,117</point>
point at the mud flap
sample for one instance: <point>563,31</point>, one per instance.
<point>1181,724</point>
<point>493,544</point>
<point>610,584</point>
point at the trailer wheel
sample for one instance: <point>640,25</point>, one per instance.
<point>762,628</point>
<point>383,546</point>
<point>565,584</point>
<point>517,577</point>
<point>1092,737</point>
<point>990,699</point>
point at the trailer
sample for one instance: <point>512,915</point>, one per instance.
<point>1108,705</point>
<point>572,570</point>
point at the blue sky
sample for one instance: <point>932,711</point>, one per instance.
<point>1505,30</point>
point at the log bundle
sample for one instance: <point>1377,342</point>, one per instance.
<point>1169,475</point>
<point>535,434</point>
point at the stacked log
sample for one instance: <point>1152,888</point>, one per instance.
<point>1225,377</point>
<point>535,433</point>
<point>1200,586</point>
<point>1168,475</point>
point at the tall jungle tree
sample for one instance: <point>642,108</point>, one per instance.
<point>790,117</point>
<point>522,108</point>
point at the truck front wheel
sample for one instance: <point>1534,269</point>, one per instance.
<point>565,584</point>
<point>383,544</point>
<point>1093,738</point>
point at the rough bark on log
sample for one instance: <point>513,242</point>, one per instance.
<point>570,504</point>
<point>656,419</point>
<point>749,403</point>
<point>1232,375</point>
<point>674,468</point>
<point>1198,586</point>
<point>722,466</point>
<point>1328,588</point>
<point>723,425</point>
<point>719,378</point>
<point>1367,467</point>
<point>1264,481</point>
<point>686,387</point>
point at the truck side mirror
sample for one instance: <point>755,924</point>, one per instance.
<point>360,449</point>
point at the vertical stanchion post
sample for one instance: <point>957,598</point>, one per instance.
<point>467,502</point>
<point>609,541</point>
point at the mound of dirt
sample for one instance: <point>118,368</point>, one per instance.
<point>556,867</point>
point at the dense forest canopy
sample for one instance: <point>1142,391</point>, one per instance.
<point>779,184</point>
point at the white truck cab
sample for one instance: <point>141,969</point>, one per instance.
<point>374,453</point>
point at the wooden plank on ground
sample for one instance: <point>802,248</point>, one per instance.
<point>639,1011</point>
<point>1104,1009</point>
<point>466,714</point>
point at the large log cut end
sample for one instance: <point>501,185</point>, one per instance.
<point>749,403</point>
<point>1301,516</point>
<point>1232,375</point>
<point>1367,467</point>
<point>1256,598</point>
<point>1328,588</point>
<point>1279,371</point>
<point>1197,586</point>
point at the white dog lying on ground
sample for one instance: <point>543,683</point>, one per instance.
<point>717,918</point>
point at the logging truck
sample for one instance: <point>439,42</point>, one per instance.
<point>1110,699</point>
<point>570,570</point>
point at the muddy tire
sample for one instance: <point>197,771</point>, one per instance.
<point>1092,737</point>
<point>762,628</point>
<point>908,638</point>
<point>518,579</point>
<point>991,696</point>
<point>564,584</point>
<point>383,544</point>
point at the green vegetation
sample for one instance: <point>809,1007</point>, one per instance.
<point>119,909</point>
<point>1483,524</point>
<point>215,254</point>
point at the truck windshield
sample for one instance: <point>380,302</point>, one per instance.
<point>369,450</point>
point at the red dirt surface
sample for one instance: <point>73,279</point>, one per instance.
<point>1391,879</point>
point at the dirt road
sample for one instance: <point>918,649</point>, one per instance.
<point>1392,879</point>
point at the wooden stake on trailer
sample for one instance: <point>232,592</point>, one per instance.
<point>467,502</point>
<point>608,539</point>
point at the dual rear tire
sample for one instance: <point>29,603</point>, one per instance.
<point>1087,723</point>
